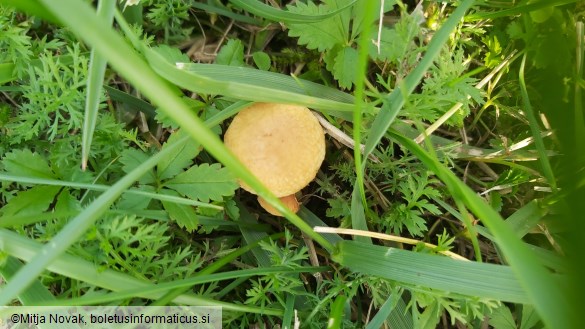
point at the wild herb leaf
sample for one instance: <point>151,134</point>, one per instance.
<point>171,54</point>
<point>322,35</point>
<point>41,116</point>
<point>169,16</point>
<point>204,182</point>
<point>443,85</point>
<point>166,121</point>
<point>338,208</point>
<point>67,202</point>
<point>502,318</point>
<point>232,53</point>
<point>529,317</point>
<point>262,60</point>
<point>35,200</point>
<point>132,158</point>
<point>14,42</point>
<point>178,160</point>
<point>396,42</point>
<point>184,215</point>
<point>358,15</point>
<point>494,55</point>
<point>27,164</point>
<point>417,192</point>
<point>135,202</point>
<point>344,69</point>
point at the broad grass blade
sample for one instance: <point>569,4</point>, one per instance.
<point>95,79</point>
<point>35,293</point>
<point>431,271</point>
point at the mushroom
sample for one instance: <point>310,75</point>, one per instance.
<point>281,144</point>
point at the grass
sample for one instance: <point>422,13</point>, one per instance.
<point>92,215</point>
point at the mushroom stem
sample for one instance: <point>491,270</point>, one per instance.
<point>290,201</point>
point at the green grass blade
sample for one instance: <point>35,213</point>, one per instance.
<point>313,221</point>
<point>289,312</point>
<point>35,293</point>
<point>549,258</point>
<point>103,188</point>
<point>151,291</point>
<point>401,316</point>
<point>251,236</point>
<point>394,102</point>
<point>521,222</point>
<point>525,219</point>
<point>538,284</point>
<point>265,11</point>
<point>579,124</point>
<point>26,219</point>
<point>545,164</point>
<point>437,272</point>
<point>388,308</point>
<point>457,150</point>
<point>471,231</point>
<point>133,101</point>
<point>95,79</point>
<point>252,84</point>
<point>336,314</point>
<point>358,215</point>
<point>224,12</point>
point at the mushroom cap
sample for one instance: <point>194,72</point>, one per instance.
<point>283,145</point>
<point>290,201</point>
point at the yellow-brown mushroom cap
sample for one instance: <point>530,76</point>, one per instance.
<point>283,145</point>
<point>289,201</point>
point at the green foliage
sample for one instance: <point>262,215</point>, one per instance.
<point>59,81</point>
<point>168,18</point>
<point>232,53</point>
<point>262,60</point>
<point>397,44</point>
<point>274,287</point>
<point>544,40</point>
<point>167,238</point>
<point>129,244</point>
<point>493,56</point>
<point>203,182</point>
<point>445,82</point>
<point>36,200</point>
<point>460,310</point>
<point>337,36</point>
<point>322,35</point>
<point>27,164</point>
<point>416,191</point>
<point>39,122</point>
<point>346,57</point>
